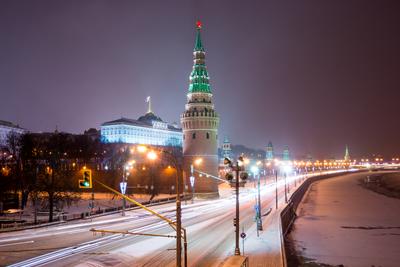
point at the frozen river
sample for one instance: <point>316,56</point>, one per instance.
<point>340,222</point>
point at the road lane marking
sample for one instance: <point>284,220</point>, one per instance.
<point>18,243</point>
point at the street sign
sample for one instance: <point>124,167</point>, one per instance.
<point>122,186</point>
<point>243,235</point>
<point>192,181</point>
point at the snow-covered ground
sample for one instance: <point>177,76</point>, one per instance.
<point>340,222</point>
<point>102,201</point>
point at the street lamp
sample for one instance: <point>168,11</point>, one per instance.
<point>152,155</point>
<point>123,184</point>
<point>286,169</point>
<point>197,162</point>
<point>240,174</point>
<point>254,169</point>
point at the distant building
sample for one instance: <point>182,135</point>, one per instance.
<point>347,154</point>
<point>286,154</point>
<point>226,149</point>
<point>6,128</point>
<point>148,130</point>
<point>270,152</point>
<point>92,133</point>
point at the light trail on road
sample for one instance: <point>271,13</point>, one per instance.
<point>209,226</point>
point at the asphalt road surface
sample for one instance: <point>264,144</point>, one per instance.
<point>209,226</point>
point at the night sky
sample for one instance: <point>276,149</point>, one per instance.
<point>313,75</point>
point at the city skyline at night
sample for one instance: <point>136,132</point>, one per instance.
<point>314,77</point>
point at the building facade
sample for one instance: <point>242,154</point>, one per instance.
<point>226,149</point>
<point>286,154</point>
<point>200,124</point>
<point>7,128</point>
<point>148,130</point>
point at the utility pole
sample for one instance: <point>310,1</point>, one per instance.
<point>192,179</point>
<point>285,188</point>
<point>178,226</point>
<point>237,249</point>
<point>237,167</point>
<point>123,199</point>
<point>259,223</point>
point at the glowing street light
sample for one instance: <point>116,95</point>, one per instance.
<point>141,149</point>
<point>152,155</point>
<point>198,161</point>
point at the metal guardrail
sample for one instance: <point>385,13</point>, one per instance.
<point>288,214</point>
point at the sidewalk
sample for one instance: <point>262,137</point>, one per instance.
<point>267,249</point>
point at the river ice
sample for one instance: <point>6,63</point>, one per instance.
<point>340,222</point>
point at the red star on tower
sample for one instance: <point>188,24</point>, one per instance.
<point>198,24</point>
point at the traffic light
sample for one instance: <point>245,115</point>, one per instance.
<point>86,182</point>
<point>244,176</point>
<point>229,176</point>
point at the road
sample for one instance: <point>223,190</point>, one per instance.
<point>209,226</point>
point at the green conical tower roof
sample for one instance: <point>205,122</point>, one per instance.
<point>199,79</point>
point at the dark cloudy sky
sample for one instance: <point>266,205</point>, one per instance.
<point>314,75</point>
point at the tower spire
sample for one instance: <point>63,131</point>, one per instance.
<point>148,101</point>
<point>347,154</point>
<point>199,79</point>
<point>198,46</point>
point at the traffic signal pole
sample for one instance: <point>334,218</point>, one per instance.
<point>237,249</point>
<point>259,222</point>
<point>175,225</point>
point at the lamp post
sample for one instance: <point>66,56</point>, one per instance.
<point>152,156</point>
<point>197,162</point>
<point>192,180</point>
<point>285,187</point>
<point>237,168</point>
<point>123,185</point>
<point>256,173</point>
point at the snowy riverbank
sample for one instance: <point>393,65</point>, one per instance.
<point>341,222</point>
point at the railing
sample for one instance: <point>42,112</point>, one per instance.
<point>288,214</point>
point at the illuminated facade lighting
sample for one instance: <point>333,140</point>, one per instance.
<point>148,129</point>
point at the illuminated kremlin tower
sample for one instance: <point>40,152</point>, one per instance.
<point>347,154</point>
<point>200,125</point>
